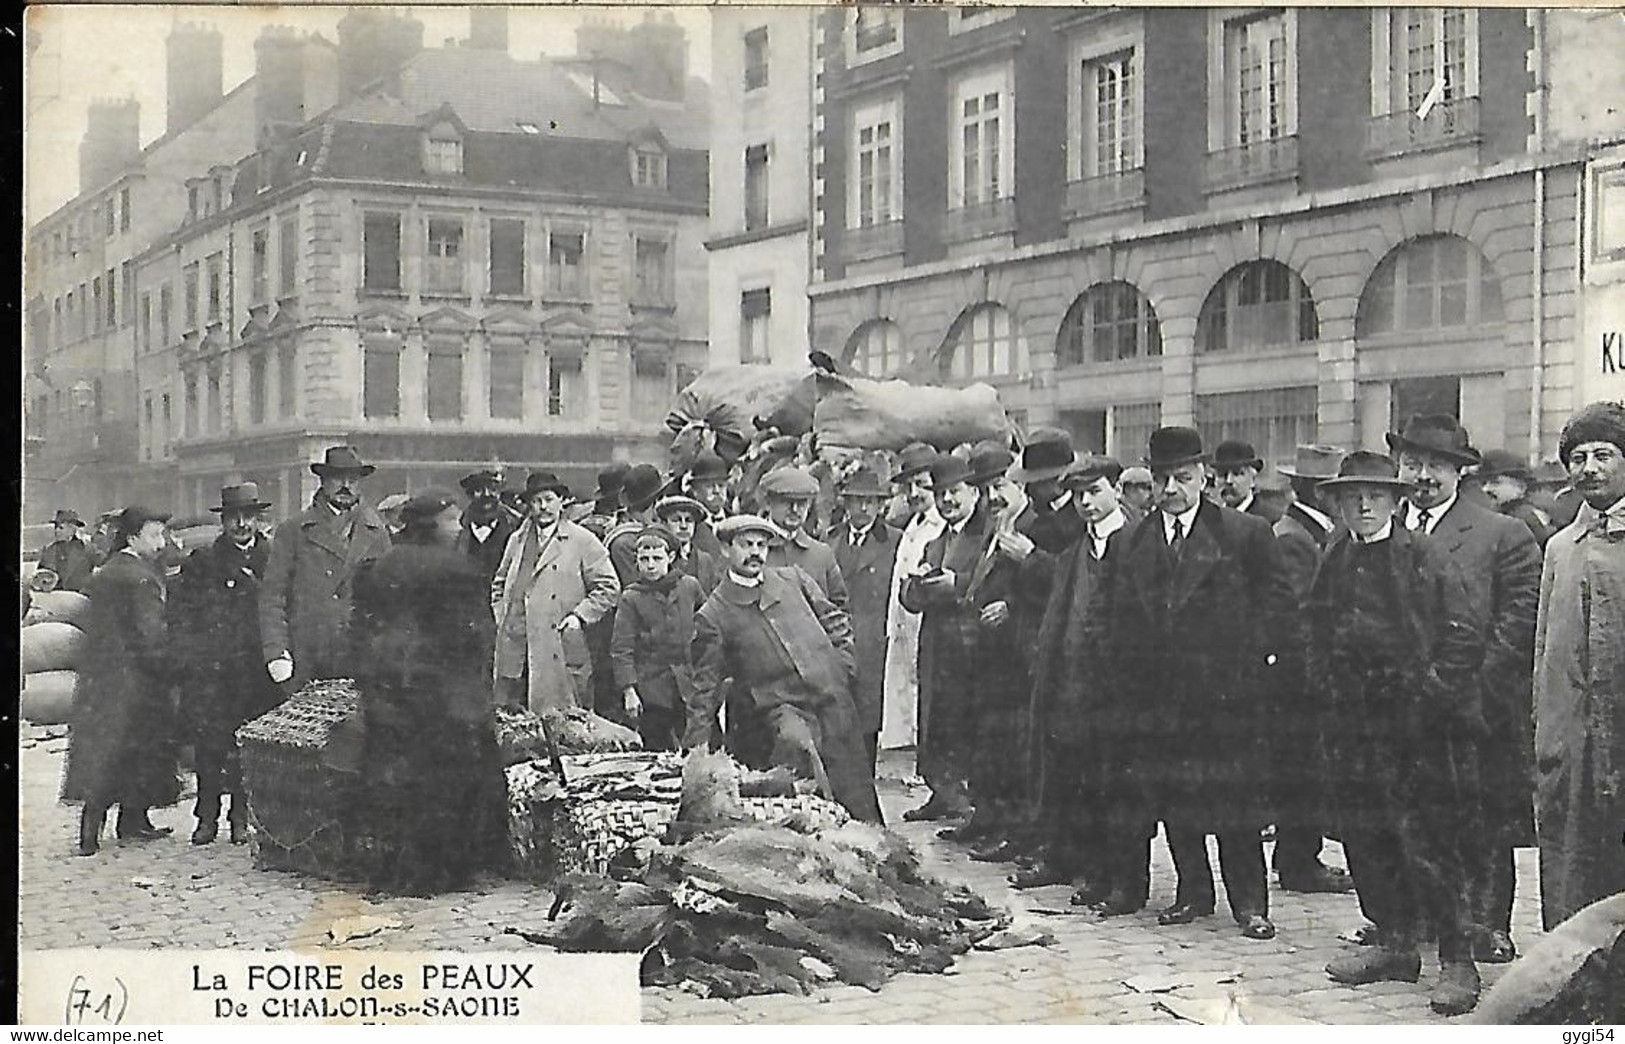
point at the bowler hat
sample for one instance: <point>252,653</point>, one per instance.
<point>668,505</point>
<point>914,458</point>
<point>863,483</point>
<point>734,525</point>
<point>244,496</point>
<point>989,464</point>
<point>791,482</point>
<point>1314,462</point>
<point>1171,447</point>
<point>343,460</point>
<point>641,486</point>
<point>612,478</point>
<point>476,479</point>
<point>949,470</point>
<point>67,517</point>
<point>1234,453</point>
<point>128,523</point>
<point>423,507</point>
<point>1365,468</point>
<point>1046,456</point>
<point>1503,462</point>
<point>708,467</point>
<point>544,482</point>
<point>1439,434</point>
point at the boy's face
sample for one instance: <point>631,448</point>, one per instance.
<point>1366,509</point>
<point>681,524</point>
<point>1097,500</point>
<point>654,561</point>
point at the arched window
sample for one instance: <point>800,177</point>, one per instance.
<point>1260,304</point>
<point>1108,322</point>
<point>875,349</point>
<point>1431,283</point>
<point>984,343</point>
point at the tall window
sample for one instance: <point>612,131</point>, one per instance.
<point>381,379</point>
<point>651,384</point>
<point>877,349</point>
<point>110,317</point>
<point>147,426</point>
<point>1132,425</point>
<point>169,425</point>
<point>124,210</point>
<point>875,33</point>
<point>260,265</point>
<point>442,154</point>
<point>1274,420</point>
<point>755,316</point>
<point>381,251</point>
<point>287,364</point>
<point>652,276</point>
<point>443,270</point>
<point>126,283</point>
<point>216,283</point>
<point>1111,321</point>
<point>564,387</point>
<point>648,167</point>
<point>287,243</point>
<point>566,273</point>
<point>109,219</point>
<point>217,405</point>
<point>981,160</point>
<point>1430,283</point>
<point>1109,126</point>
<point>755,187</point>
<point>1260,304</point>
<point>1257,81</point>
<point>96,303</point>
<point>506,368</point>
<point>1428,46</point>
<point>144,325</point>
<point>756,58</point>
<point>984,343</point>
<point>507,256</point>
<point>193,411</point>
<point>876,166</point>
<point>445,382</point>
<point>165,307</point>
<point>57,330</point>
<point>258,388</point>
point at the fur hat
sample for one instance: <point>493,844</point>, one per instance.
<point>1598,422</point>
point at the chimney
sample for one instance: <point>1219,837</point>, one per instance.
<point>658,55</point>
<point>112,141</point>
<point>195,56</point>
<point>373,45</point>
<point>488,28</point>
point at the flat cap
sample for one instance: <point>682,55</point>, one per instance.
<point>788,482</point>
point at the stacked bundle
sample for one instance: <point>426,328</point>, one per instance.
<point>52,645</point>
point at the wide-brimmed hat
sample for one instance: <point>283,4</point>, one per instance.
<point>475,479</point>
<point>1439,434</point>
<point>989,464</point>
<point>1365,468</point>
<point>641,486</point>
<point>792,483</point>
<point>1314,462</point>
<point>668,505</point>
<point>734,525</point>
<point>1047,455</point>
<point>708,467</point>
<point>1171,447</point>
<point>1091,466</point>
<point>913,459</point>
<point>864,483</point>
<point>544,482</point>
<point>245,496</point>
<point>1234,453</point>
<point>67,517</point>
<point>344,460</point>
<point>1499,463</point>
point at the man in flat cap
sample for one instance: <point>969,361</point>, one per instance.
<point>899,726</point>
<point>1580,676</point>
<point>789,493</point>
<point>788,648</point>
<point>305,597</point>
<point>1501,562</point>
<point>485,525</point>
<point>865,549</point>
<point>68,556</point>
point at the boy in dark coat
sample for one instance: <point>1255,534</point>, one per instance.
<point>651,646</point>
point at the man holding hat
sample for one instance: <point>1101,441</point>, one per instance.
<point>554,581</point>
<point>1580,675</point>
<point>486,527</point>
<point>920,524</point>
<point>214,619</point>
<point>685,518</point>
<point>1395,654</point>
<point>865,549</point>
<point>68,556</point>
<point>1198,610</point>
<point>788,650</point>
<point>121,748</point>
<point>305,597</point>
<point>1500,560</point>
<point>789,493</point>
<point>1505,481</point>
<point>1236,467</point>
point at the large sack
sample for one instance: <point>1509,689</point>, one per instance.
<point>51,646</point>
<point>858,413</point>
<point>1574,975</point>
<point>48,697</point>
<point>733,398</point>
<point>57,607</point>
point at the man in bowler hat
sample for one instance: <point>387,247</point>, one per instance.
<point>1236,467</point>
<point>485,526</point>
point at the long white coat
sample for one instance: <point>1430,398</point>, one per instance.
<point>900,723</point>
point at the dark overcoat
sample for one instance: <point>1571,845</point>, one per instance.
<point>1191,646</point>
<point>702,565</point>
<point>305,598</point>
<point>813,557</point>
<point>1539,523</point>
<point>487,552</point>
<point>72,560</point>
<point>1500,562</point>
<point>651,646</point>
<point>121,748</point>
<point>215,627</point>
<point>867,571</point>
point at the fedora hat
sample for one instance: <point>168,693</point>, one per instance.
<point>949,470</point>
<point>989,464</point>
<point>611,479</point>
<point>734,525</point>
<point>708,467</point>
<point>1234,453</point>
<point>913,459</point>
<point>864,483</point>
<point>1171,447</point>
<point>1439,434</point>
<point>544,482</point>
<point>642,486</point>
<point>67,517</point>
<point>1503,462</point>
<point>245,496</point>
<point>1047,455</point>
<point>128,523</point>
<point>1365,468</point>
<point>669,505</point>
<point>344,460</point>
<point>1314,462</point>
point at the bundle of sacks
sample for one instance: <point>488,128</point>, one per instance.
<point>728,906</point>
<point>52,645</point>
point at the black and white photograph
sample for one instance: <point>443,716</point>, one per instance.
<point>895,513</point>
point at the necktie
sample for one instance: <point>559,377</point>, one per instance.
<point>1422,518</point>
<point>1094,544</point>
<point>1177,540</point>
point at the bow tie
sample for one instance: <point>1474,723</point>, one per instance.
<point>1609,527</point>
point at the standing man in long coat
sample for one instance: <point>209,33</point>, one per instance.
<point>121,749</point>
<point>485,524</point>
<point>1199,610</point>
<point>305,598</point>
<point>555,580</point>
<point>69,557</point>
<point>866,550</point>
<point>215,614</point>
<point>899,726</point>
<point>1500,561</point>
<point>1580,676</point>
<point>788,647</point>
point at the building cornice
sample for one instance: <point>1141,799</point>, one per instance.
<point>758,235</point>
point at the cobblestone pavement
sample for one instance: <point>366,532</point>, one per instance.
<point>169,894</point>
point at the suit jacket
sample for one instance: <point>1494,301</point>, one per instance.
<point>72,560</point>
<point>814,558</point>
<point>305,599</point>
<point>867,571</point>
<point>214,623</point>
<point>702,565</point>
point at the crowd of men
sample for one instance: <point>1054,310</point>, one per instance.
<point>1358,646</point>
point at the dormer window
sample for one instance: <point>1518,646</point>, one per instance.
<point>648,168</point>
<point>443,146</point>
